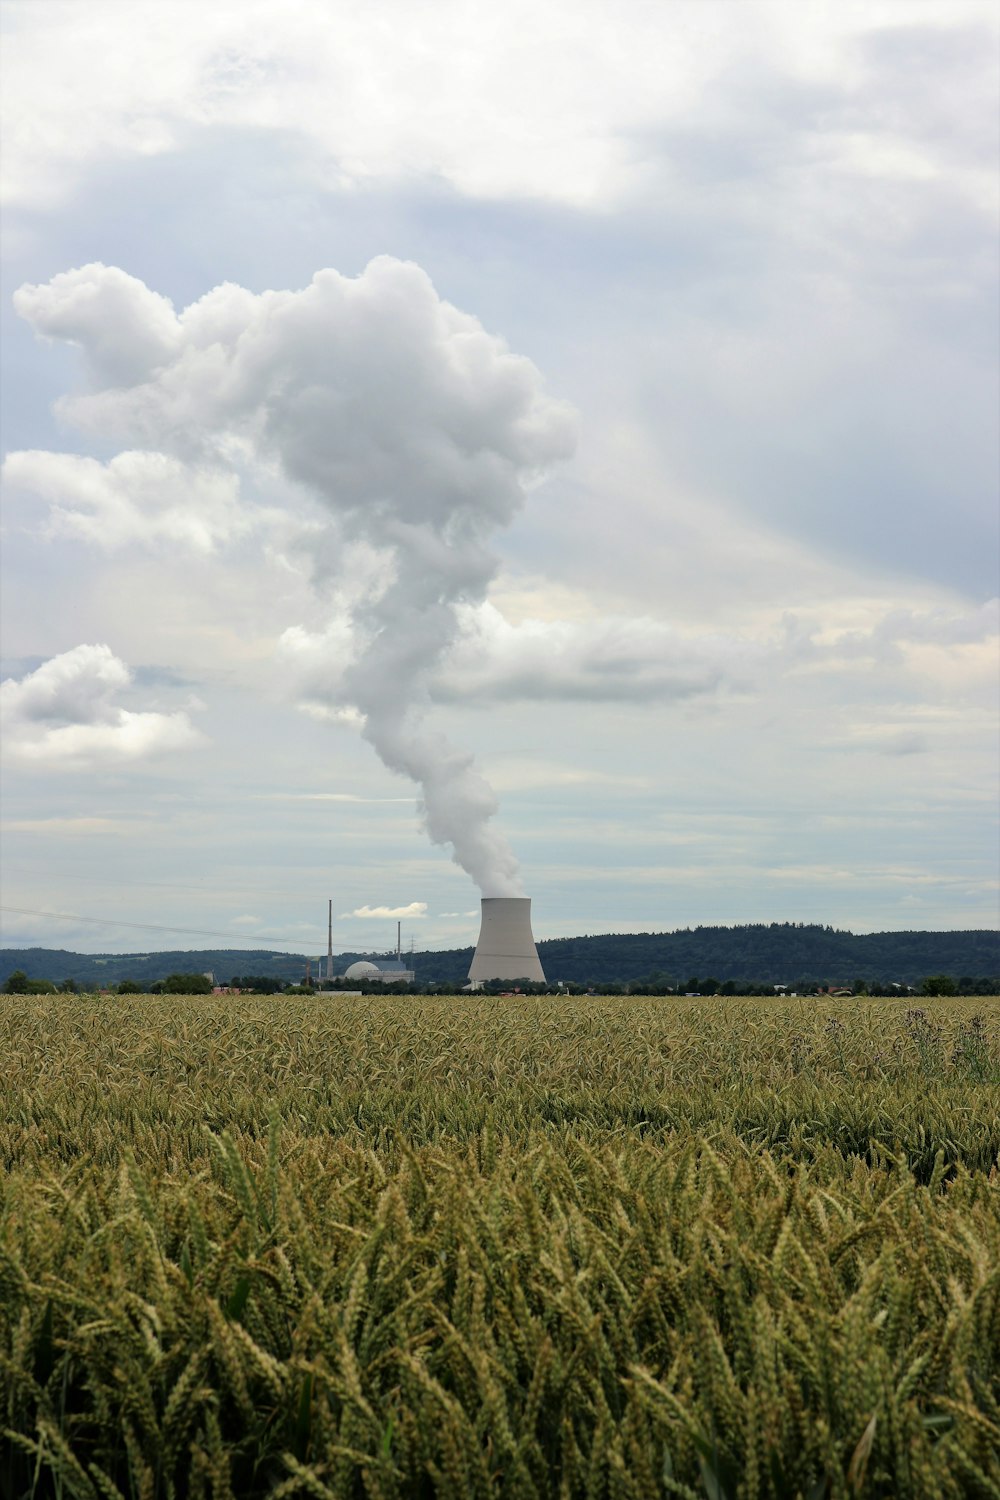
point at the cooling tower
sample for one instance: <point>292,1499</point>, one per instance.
<point>506,948</point>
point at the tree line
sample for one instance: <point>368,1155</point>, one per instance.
<point>18,983</point>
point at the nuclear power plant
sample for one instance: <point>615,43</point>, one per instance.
<point>506,947</point>
<point>505,951</point>
<point>377,968</point>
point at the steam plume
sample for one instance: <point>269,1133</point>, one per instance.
<point>416,428</point>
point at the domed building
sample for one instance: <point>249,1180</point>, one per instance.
<point>380,971</point>
<point>363,970</point>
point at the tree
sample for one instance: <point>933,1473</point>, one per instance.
<point>187,984</point>
<point>69,987</point>
<point>17,983</point>
<point>938,984</point>
<point>129,987</point>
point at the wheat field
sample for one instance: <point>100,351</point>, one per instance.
<point>393,1247</point>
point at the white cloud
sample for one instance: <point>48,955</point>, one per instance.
<point>137,497</point>
<point>559,102</point>
<point>599,659</point>
<point>925,650</point>
<point>899,627</point>
<point>415,428</point>
<point>127,330</point>
<point>595,659</point>
<point>396,408</point>
<point>64,716</point>
<point>614,658</point>
<point>397,913</point>
<point>76,687</point>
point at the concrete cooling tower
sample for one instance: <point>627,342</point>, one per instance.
<point>506,948</point>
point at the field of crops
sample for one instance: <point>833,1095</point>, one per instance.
<point>485,1247</point>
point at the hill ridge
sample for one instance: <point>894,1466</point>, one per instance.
<point>765,952</point>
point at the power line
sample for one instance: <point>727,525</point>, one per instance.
<point>63,916</point>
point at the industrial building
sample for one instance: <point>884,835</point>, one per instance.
<point>505,951</point>
<point>380,971</point>
<point>506,947</point>
<point>376,969</point>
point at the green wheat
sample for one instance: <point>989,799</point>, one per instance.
<point>603,1248</point>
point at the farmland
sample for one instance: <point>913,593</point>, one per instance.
<point>488,1247</point>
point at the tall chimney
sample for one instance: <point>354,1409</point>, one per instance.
<point>329,940</point>
<point>399,939</point>
<point>506,948</point>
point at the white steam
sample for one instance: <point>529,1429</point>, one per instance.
<point>415,427</point>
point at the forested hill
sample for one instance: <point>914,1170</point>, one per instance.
<point>779,953</point>
<point>775,953</point>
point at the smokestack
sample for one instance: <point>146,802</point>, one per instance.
<point>506,948</point>
<point>399,939</point>
<point>329,940</point>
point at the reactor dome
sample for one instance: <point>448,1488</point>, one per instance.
<point>362,970</point>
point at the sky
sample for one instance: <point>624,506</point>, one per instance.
<point>479,449</point>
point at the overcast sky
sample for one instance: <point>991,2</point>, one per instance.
<point>558,436</point>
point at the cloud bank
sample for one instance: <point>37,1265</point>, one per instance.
<point>569,116</point>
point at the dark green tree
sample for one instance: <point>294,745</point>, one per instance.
<point>187,984</point>
<point>938,984</point>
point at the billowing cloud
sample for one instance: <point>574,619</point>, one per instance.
<point>65,715</point>
<point>126,329</point>
<point>417,430</point>
<point>137,497</point>
<point>397,913</point>
<point>399,410</point>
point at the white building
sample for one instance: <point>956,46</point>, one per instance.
<point>381,971</point>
